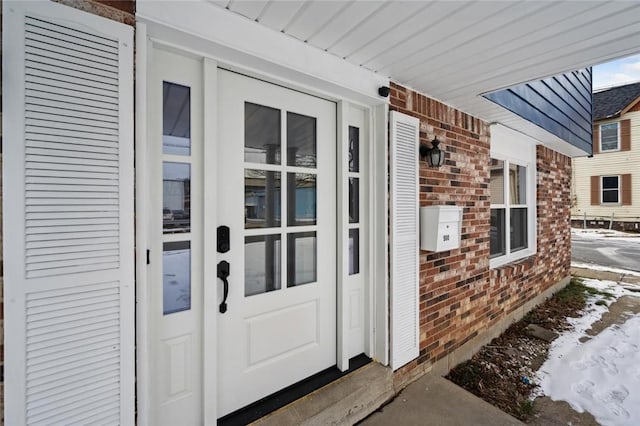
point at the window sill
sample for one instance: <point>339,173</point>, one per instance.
<point>497,262</point>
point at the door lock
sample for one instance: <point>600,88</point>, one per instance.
<point>223,274</point>
<point>224,236</point>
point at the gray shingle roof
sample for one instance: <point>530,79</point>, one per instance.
<point>610,102</point>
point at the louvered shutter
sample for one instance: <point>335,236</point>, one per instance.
<point>595,190</point>
<point>68,216</point>
<point>626,190</point>
<point>625,135</point>
<point>405,333</point>
<point>596,139</point>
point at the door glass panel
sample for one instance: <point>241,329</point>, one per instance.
<point>176,119</point>
<point>261,264</point>
<point>354,200</point>
<point>517,184</point>
<point>354,149</point>
<point>261,198</point>
<point>301,140</point>
<point>176,197</point>
<point>176,277</point>
<point>301,199</point>
<point>354,251</point>
<point>261,134</point>
<point>496,184</point>
<point>301,258</point>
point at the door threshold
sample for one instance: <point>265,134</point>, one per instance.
<point>273,402</point>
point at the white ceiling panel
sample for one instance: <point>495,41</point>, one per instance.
<point>346,21</point>
<point>376,26</point>
<point>313,17</point>
<point>478,20</point>
<point>278,13</point>
<point>249,8</point>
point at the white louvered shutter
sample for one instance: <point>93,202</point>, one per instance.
<point>68,216</point>
<point>405,333</point>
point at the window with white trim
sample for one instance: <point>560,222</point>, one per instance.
<point>610,192</point>
<point>511,210</point>
<point>609,137</point>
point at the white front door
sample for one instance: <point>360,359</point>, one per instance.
<point>273,184</point>
<point>276,174</point>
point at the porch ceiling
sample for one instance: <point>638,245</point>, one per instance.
<point>456,51</point>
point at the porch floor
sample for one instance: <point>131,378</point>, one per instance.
<point>430,400</point>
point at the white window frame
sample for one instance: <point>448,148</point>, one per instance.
<point>617,123</point>
<point>619,189</point>
<point>514,148</point>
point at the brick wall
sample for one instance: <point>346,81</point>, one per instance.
<point>460,297</point>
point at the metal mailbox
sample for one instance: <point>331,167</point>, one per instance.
<point>440,227</point>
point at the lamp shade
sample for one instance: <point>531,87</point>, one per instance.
<point>435,156</point>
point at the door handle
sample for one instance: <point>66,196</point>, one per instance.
<point>223,274</point>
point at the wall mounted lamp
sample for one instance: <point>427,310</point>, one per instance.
<point>433,155</point>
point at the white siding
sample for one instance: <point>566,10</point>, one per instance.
<point>609,164</point>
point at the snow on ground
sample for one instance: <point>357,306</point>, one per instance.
<point>606,233</point>
<point>602,374</point>
<point>604,268</point>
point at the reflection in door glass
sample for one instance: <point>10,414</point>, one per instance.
<point>261,134</point>
<point>261,198</point>
<point>354,251</point>
<point>176,119</point>
<point>176,277</point>
<point>176,197</point>
<point>354,149</point>
<point>301,258</point>
<point>301,199</point>
<point>261,264</point>
<point>354,200</point>
<point>301,140</point>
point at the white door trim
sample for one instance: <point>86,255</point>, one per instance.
<point>376,300</point>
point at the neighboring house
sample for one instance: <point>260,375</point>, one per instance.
<point>270,230</point>
<point>606,185</point>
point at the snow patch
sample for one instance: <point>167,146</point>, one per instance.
<point>602,374</point>
<point>595,267</point>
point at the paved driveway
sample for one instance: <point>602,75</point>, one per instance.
<point>614,250</point>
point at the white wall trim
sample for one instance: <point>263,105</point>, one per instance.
<point>142,223</point>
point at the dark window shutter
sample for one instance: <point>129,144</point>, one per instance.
<point>625,135</point>
<point>596,138</point>
<point>595,190</point>
<point>626,189</point>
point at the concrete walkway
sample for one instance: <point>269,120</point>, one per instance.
<point>433,400</point>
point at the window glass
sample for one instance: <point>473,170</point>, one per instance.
<point>518,229</point>
<point>301,140</point>
<point>176,197</point>
<point>261,264</point>
<point>609,137</point>
<point>301,258</point>
<point>176,277</point>
<point>354,149</point>
<point>354,200</point>
<point>261,198</point>
<point>496,233</point>
<point>496,184</point>
<point>176,119</point>
<point>610,189</point>
<point>261,134</point>
<point>354,251</point>
<point>517,184</point>
<point>301,199</point>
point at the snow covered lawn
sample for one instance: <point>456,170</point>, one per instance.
<point>601,373</point>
